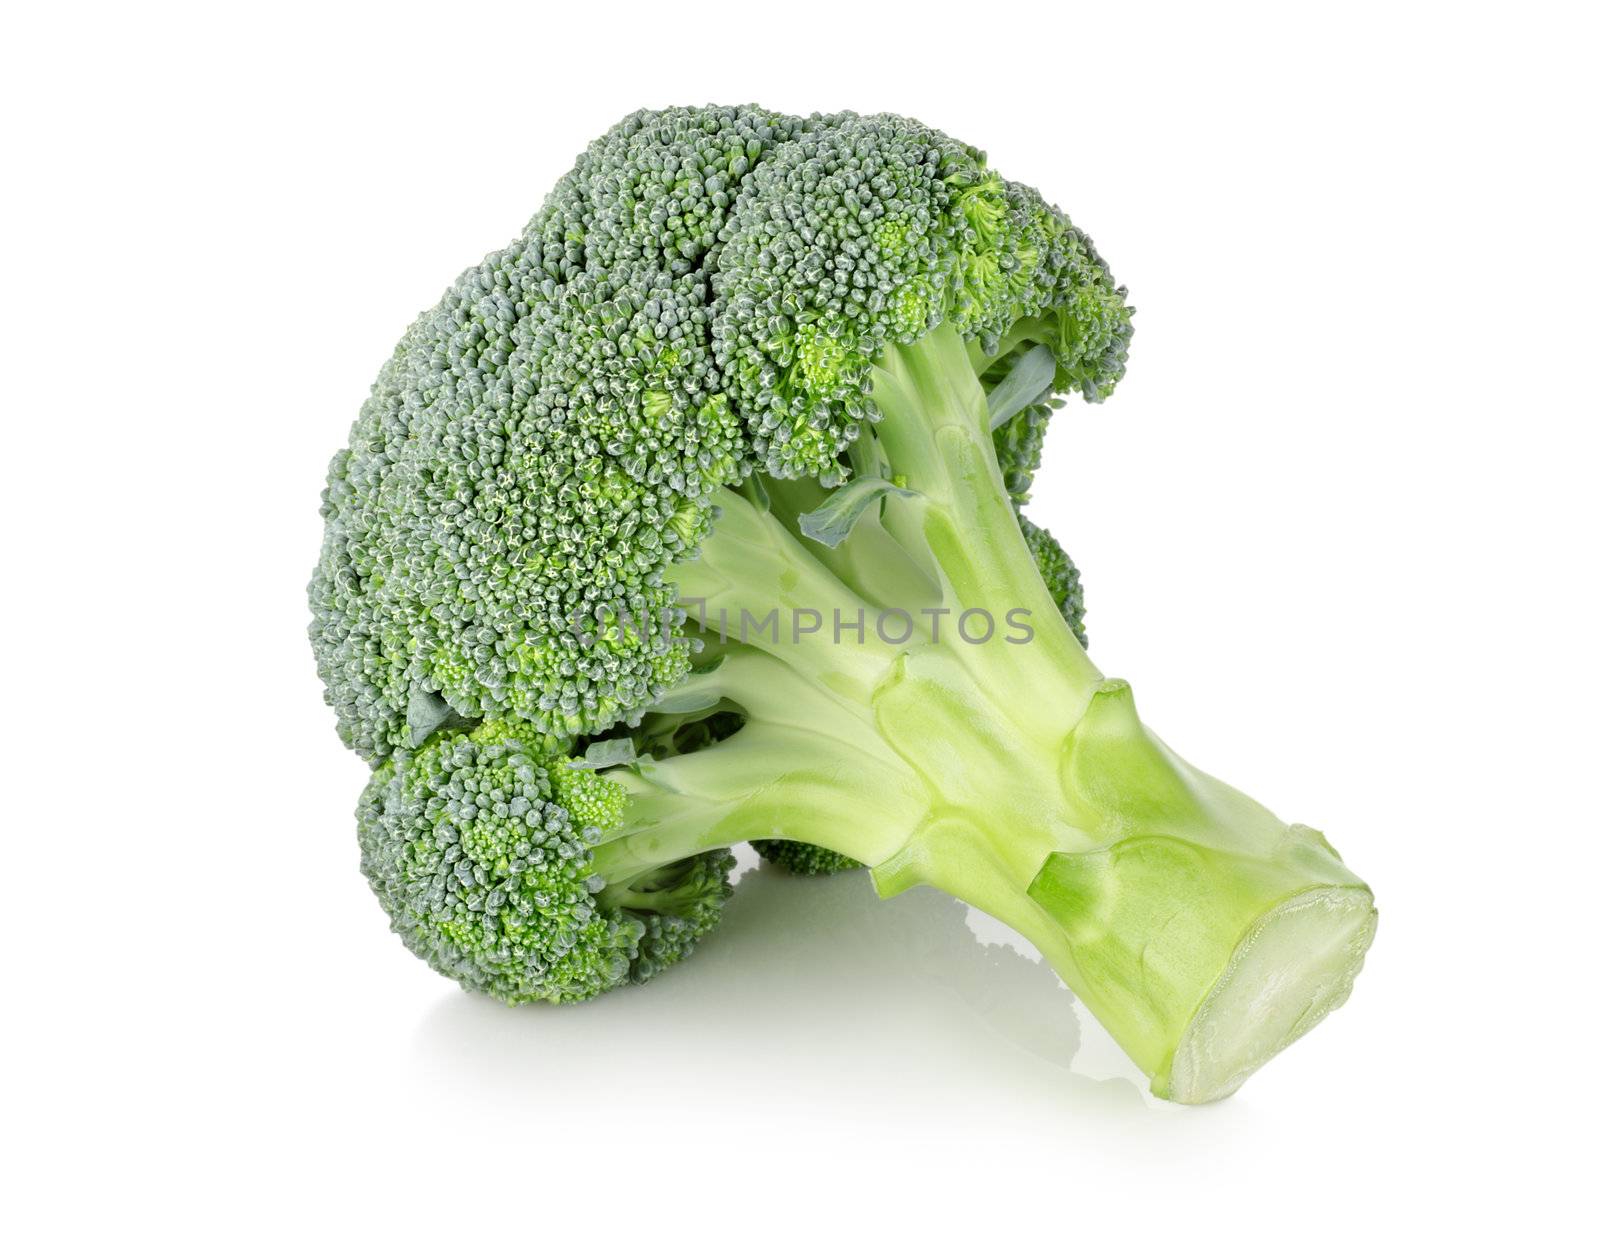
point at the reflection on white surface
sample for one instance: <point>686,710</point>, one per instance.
<point>814,994</point>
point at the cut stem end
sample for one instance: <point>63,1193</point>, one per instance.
<point>1294,967</point>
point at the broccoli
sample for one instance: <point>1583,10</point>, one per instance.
<point>692,518</point>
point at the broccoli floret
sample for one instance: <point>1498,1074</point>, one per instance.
<point>712,480</point>
<point>477,845</point>
<point>543,443</point>
<point>803,858</point>
<point>1060,577</point>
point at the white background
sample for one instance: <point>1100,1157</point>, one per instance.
<point>1337,527</point>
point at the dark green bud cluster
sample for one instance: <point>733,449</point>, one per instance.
<point>1019,448</point>
<point>539,448</point>
<point>478,845</point>
<point>803,858</point>
<point>871,230</point>
<point>1060,576</point>
<point>702,296</point>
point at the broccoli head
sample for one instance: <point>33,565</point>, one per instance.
<point>693,517</point>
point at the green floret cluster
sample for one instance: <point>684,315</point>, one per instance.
<point>802,858</point>
<point>700,297</point>
<point>478,845</point>
<point>873,230</point>
<point>1060,575</point>
<point>740,370</point>
<point>541,445</point>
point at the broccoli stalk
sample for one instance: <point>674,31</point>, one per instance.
<point>1201,930</point>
